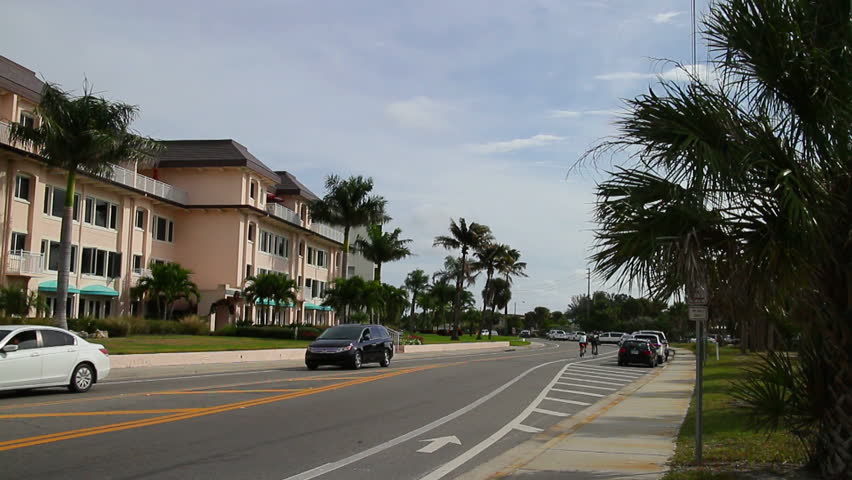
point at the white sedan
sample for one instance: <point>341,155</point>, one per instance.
<point>34,356</point>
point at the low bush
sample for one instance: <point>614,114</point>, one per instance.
<point>129,325</point>
<point>28,321</point>
<point>285,333</point>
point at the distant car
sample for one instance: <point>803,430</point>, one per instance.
<point>350,345</point>
<point>637,351</point>
<point>525,334</point>
<point>571,336</point>
<point>33,356</point>
<point>668,350</point>
<point>624,337</point>
<point>560,335</point>
<point>655,342</point>
<point>484,333</point>
<point>610,337</point>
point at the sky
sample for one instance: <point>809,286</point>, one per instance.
<point>471,108</point>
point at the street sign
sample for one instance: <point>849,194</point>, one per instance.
<point>698,314</point>
<point>698,296</point>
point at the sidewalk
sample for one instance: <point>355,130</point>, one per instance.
<point>628,435</point>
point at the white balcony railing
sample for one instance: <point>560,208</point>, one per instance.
<point>142,272</point>
<point>327,231</point>
<point>282,212</point>
<point>24,262</point>
<point>5,127</point>
<point>147,184</point>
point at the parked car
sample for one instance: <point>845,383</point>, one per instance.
<point>494,333</point>
<point>637,351</point>
<point>624,337</point>
<point>610,337</point>
<point>350,345</point>
<point>667,350</point>
<point>525,334</point>
<point>655,342</point>
<point>34,356</point>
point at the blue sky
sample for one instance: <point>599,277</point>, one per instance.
<point>472,108</point>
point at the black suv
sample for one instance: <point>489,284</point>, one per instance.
<point>350,346</point>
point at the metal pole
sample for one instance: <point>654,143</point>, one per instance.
<point>699,388</point>
<point>589,295</point>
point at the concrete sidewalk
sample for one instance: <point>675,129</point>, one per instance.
<point>628,435</point>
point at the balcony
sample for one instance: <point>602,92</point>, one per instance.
<point>22,262</point>
<point>5,127</point>
<point>142,272</point>
<point>284,213</point>
<point>123,176</point>
<point>327,231</point>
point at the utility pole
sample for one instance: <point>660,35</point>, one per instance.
<point>589,295</point>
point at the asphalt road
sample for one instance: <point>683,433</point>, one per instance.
<point>288,423</point>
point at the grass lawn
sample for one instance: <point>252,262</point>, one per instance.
<point>433,338</point>
<point>192,343</point>
<point>729,445</point>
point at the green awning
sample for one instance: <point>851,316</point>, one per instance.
<point>50,286</point>
<point>313,306</point>
<point>98,290</point>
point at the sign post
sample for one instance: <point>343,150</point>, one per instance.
<point>698,312</point>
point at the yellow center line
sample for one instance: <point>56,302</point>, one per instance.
<point>84,432</point>
<point>112,412</point>
<point>202,392</point>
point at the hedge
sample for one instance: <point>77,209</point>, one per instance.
<point>284,333</point>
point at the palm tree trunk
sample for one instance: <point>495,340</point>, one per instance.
<point>413,302</point>
<point>378,273</point>
<point>457,300</point>
<point>484,307</point>
<point>61,317</point>
<point>345,266</point>
<point>491,320</point>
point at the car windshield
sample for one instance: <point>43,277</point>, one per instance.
<point>650,338</point>
<point>342,333</point>
<point>3,334</point>
<point>635,344</point>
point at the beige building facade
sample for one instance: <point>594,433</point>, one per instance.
<point>209,205</point>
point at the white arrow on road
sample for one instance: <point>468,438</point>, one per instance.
<point>437,443</point>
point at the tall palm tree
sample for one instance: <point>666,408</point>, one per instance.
<point>501,295</point>
<point>415,282</point>
<point>168,283</point>
<point>270,288</point>
<point>346,294</point>
<point>85,134</point>
<point>381,247</point>
<point>752,172</point>
<point>348,203</point>
<point>462,237</point>
<point>395,301</point>
<point>488,259</point>
<point>511,265</point>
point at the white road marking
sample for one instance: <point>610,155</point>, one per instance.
<point>551,412</point>
<point>587,386</point>
<point>576,374</point>
<point>436,443</point>
<point>526,428</point>
<point>630,376</point>
<point>203,375</point>
<point>575,392</point>
<point>572,402</point>
<point>584,380</point>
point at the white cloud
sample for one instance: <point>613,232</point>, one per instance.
<point>677,74</point>
<point>539,140</point>
<point>418,112</point>
<point>665,17</point>
<point>580,113</point>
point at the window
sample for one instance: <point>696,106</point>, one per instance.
<point>164,229</point>
<point>101,213</point>
<point>301,248</point>
<point>50,253</point>
<point>274,244</point>
<point>27,119</point>
<point>251,232</point>
<point>321,258</point>
<point>248,271</point>
<point>24,340</point>
<point>140,218</point>
<point>310,256</point>
<point>315,288</point>
<point>317,257</point>
<point>252,189</point>
<point>52,338</point>
<point>137,263</point>
<point>22,187</point>
<point>309,282</point>
<point>101,263</point>
<point>19,241</point>
<point>54,202</point>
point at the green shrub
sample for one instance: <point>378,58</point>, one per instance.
<point>48,321</point>
<point>114,326</point>
<point>257,332</point>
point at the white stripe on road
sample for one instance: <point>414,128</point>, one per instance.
<point>204,375</point>
<point>578,374</point>
<point>603,375</point>
<point>572,402</point>
<point>587,386</point>
<point>551,412</point>
<point>586,380</point>
<point>527,428</point>
<point>575,392</point>
<point>610,374</point>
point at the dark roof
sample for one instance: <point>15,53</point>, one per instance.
<point>211,153</point>
<point>20,80</point>
<point>289,185</point>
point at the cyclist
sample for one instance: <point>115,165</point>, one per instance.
<point>582,340</point>
<point>595,341</point>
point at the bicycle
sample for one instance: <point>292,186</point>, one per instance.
<point>582,349</point>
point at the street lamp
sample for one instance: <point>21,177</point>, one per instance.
<point>516,307</point>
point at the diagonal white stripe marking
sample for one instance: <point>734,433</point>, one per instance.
<point>526,428</point>
<point>575,374</point>
<point>610,389</point>
<point>572,402</point>
<point>577,392</point>
<point>608,374</point>
<point>551,412</point>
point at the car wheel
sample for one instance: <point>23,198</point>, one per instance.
<point>82,379</point>
<point>386,360</point>
<point>311,365</point>
<point>356,361</point>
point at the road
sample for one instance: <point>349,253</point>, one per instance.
<point>288,423</point>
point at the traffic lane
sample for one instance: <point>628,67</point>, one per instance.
<point>309,426</point>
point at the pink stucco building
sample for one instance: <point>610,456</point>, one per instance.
<point>209,205</point>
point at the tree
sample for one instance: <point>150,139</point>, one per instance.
<point>488,259</point>
<point>510,265</point>
<point>348,203</point>
<point>346,294</point>
<point>85,134</point>
<point>501,295</point>
<point>462,237</point>
<point>745,184</point>
<point>168,283</point>
<point>441,295</point>
<point>395,301</point>
<point>415,282</point>
<point>272,288</point>
<point>382,247</point>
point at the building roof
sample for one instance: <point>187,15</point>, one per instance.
<point>289,185</point>
<point>211,153</point>
<point>18,79</point>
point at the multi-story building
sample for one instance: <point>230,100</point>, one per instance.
<point>358,265</point>
<point>209,205</point>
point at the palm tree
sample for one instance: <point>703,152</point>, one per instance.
<point>395,301</point>
<point>168,283</point>
<point>488,259</point>
<point>442,294</point>
<point>462,237</point>
<point>746,181</point>
<point>271,288</point>
<point>415,282</point>
<point>348,203</point>
<point>382,247</point>
<point>84,134</point>
<point>511,265</point>
<point>501,295</point>
<point>346,294</point>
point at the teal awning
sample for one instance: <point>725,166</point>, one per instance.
<point>313,306</point>
<point>50,286</point>
<point>98,290</point>
<point>271,303</point>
